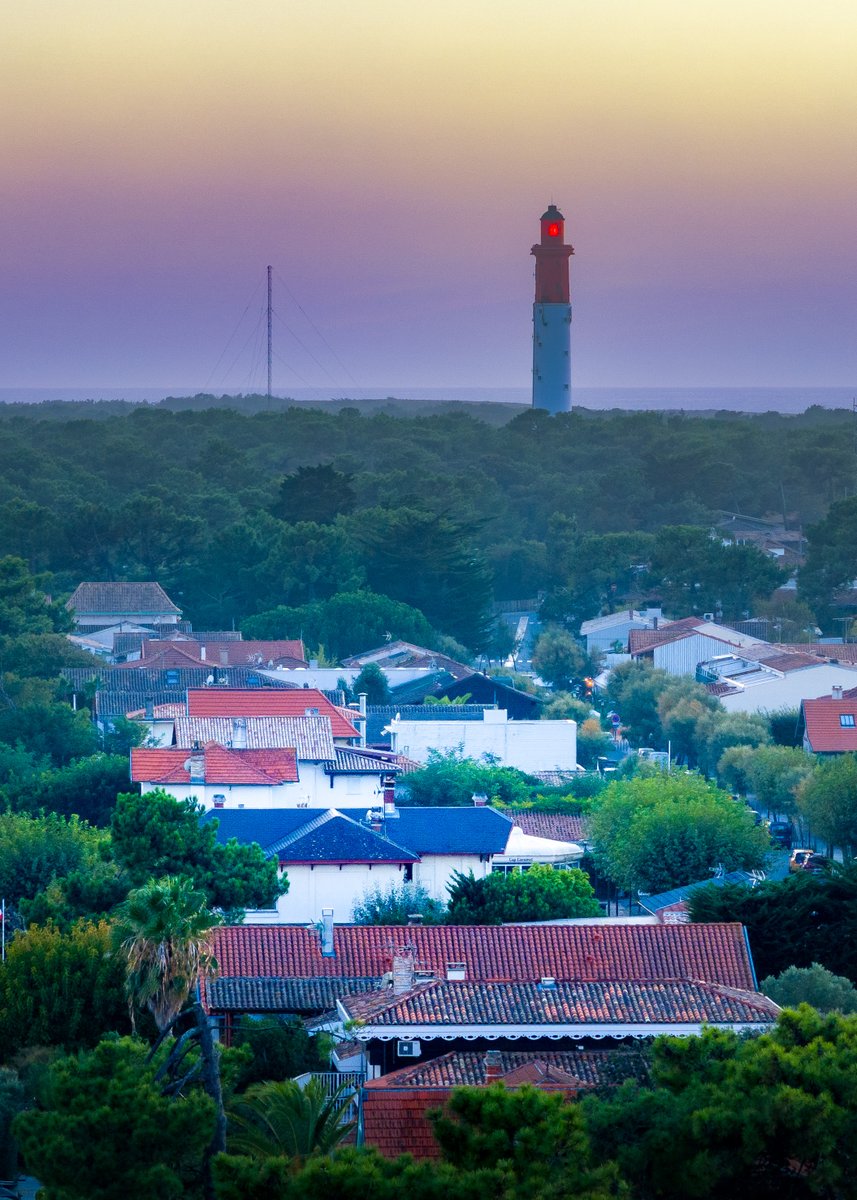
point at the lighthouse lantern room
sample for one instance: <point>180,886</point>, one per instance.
<point>552,317</point>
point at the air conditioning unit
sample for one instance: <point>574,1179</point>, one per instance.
<point>708,616</point>
<point>408,1049</point>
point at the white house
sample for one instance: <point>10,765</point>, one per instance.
<point>604,633</point>
<point>528,745</point>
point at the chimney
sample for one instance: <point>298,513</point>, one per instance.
<point>311,712</point>
<point>403,970</point>
<point>479,799</point>
<point>456,972</point>
<point>415,918</point>
<point>654,622</point>
<point>219,800</point>
<point>836,691</point>
<point>388,785</point>
<point>327,950</point>
<point>493,1066</point>
<point>239,733</point>
<point>376,820</point>
<point>202,653</point>
<point>196,766</point>
<point>361,724</point>
<point>150,709</point>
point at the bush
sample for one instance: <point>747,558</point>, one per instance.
<point>394,904</point>
<point>813,985</point>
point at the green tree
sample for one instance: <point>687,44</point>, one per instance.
<point>281,1118</point>
<point>87,787</point>
<point>663,831</point>
<point>831,553</point>
<point>684,1136</point>
<point>373,682</point>
<point>394,904</point>
<point>775,775</point>
<point>156,835</point>
<point>450,778</point>
<point>60,988</point>
<point>826,800</point>
<point>318,494</point>
<point>559,659</point>
<point>539,894</point>
<point>13,1099</point>
<point>698,573</point>
<point>50,729</point>
<point>537,1136</point>
<point>163,930</point>
<point>36,850</point>
<point>106,1131</point>
<point>718,730</point>
<point>281,1048</point>
<point>813,985</point>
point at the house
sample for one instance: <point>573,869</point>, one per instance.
<point>97,606</point>
<point>271,702</point>
<point>215,775</point>
<point>333,857</point>
<point>395,1107</point>
<point>467,987</point>
<point>379,717</point>
<point>232,653</point>
<point>406,654</point>
<point>494,693</point>
<point>671,907</point>
<point>829,723</point>
<point>527,745</point>
<point>611,632</point>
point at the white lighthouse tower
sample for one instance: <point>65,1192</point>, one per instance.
<point>552,317</point>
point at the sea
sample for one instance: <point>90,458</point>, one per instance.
<point>691,399</point>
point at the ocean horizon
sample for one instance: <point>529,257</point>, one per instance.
<point>690,399</point>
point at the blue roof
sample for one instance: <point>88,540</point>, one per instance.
<point>308,835</point>
<point>329,835</point>
<point>676,895</point>
<point>453,830</point>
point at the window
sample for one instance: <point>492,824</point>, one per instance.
<point>846,720</point>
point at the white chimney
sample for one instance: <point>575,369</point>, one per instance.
<point>202,653</point>
<point>836,691</point>
<point>403,970</point>
<point>239,733</point>
<point>327,950</point>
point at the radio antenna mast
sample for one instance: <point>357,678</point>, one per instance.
<point>270,332</point>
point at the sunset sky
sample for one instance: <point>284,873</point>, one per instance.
<point>391,160</point>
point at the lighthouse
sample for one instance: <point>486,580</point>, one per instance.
<point>552,317</point>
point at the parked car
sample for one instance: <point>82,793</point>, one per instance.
<point>798,858</point>
<point>781,833</point>
<point>816,862</point>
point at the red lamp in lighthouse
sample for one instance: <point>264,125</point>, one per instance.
<point>552,316</point>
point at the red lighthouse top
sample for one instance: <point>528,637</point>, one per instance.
<point>552,255</point>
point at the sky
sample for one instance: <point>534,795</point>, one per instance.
<point>391,161</point>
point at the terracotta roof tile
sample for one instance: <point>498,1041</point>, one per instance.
<point>267,702</point>
<point>714,953</point>
<point>233,653</point>
<point>466,1068</point>
<point>560,826</point>
<point>172,765</point>
<point>824,729</point>
<point>311,737</point>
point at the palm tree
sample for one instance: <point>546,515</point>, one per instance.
<point>284,1119</point>
<point>164,929</point>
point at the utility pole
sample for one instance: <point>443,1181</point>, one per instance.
<point>270,332</point>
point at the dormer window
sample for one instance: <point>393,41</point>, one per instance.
<point>846,720</point>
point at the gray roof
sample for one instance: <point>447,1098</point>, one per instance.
<point>350,760</point>
<point>98,599</point>
<point>663,900</point>
<point>311,737</point>
<point>272,994</point>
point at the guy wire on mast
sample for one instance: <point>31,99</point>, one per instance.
<point>270,333</point>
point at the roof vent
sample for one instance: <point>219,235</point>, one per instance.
<point>547,983</point>
<point>312,712</point>
<point>456,971</point>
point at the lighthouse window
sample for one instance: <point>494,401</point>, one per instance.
<point>553,229</point>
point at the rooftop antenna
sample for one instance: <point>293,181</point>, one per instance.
<point>270,331</point>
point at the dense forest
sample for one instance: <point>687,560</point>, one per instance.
<point>240,507</point>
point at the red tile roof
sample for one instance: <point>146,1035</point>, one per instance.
<point>173,654</point>
<point>714,953</point>
<point>824,730</point>
<point>833,651</point>
<point>267,702</point>
<point>560,826</point>
<point>171,765</point>
<point>395,1107</point>
<point>233,653</point>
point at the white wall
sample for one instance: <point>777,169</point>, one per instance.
<point>312,888</point>
<point>313,790</point>
<point>435,871</point>
<point>527,745</point>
